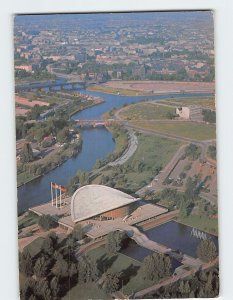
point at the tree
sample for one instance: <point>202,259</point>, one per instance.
<point>111,282</point>
<point>27,291</point>
<point>78,233</point>
<point>48,245</point>
<point>63,135</point>
<point>209,115</point>
<point>26,154</point>
<point>211,151</point>
<point>55,287</point>
<point>114,242</point>
<point>20,127</point>
<point>191,189</point>
<point>206,250</point>
<point>87,269</point>
<point>193,151</point>
<point>61,268</point>
<point>183,212</point>
<point>156,266</point>
<point>43,289</point>
<point>73,270</point>
<point>25,263</point>
<point>46,222</point>
<point>41,266</point>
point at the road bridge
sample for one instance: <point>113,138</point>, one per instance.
<point>96,123</point>
<point>48,84</point>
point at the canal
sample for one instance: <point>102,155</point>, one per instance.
<point>172,234</point>
<point>97,144</point>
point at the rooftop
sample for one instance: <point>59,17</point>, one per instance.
<point>92,200</point>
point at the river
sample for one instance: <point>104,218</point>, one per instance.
<point>97,144</point>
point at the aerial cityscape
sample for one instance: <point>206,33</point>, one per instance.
<point>116,155</point>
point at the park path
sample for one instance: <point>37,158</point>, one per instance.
<point>132,147</point>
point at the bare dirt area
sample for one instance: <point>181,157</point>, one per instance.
<point>21,111</point>
<point>162,87</point>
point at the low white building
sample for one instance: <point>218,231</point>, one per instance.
<point>191,112</point>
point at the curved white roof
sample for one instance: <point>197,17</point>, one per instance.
<point>92,200</point>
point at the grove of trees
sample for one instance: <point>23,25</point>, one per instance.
<point>26,154</point>
<point>156,266</point>
<point>206,250</point>
<point>46,222</point>
<point>193,151</point>
<point>51,272</point>
<point>209,115</point>
<point>114,242</point>
<point>204,284</point>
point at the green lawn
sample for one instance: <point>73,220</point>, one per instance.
<point>131,275</point>
<point>153,152</point>
<point>201,222</point>
<point>35,246</point>
<point>85,291</point>
<point>146,111</point>
<point>195,131</point>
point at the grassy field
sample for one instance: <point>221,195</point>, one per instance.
<point>35,246</point>
<point>205,102</point>
<point>132,277</point>
<point>115,91</point>
<point>195,131</point>
<point>201,222</point>
<point>85,291</point>
<point>153,152</point>
<point>146,111</point>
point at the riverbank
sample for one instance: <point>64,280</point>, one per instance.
<point>97,145</point>
<point>85,107</point>
<point>67,152</point>
<point>150,87</point>
<point>151,155</point>
<point>112,91</point>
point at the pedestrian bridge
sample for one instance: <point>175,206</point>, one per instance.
<point>96,123</point>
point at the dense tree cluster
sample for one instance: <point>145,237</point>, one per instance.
<point>193,151</point>
<point>40,130</point>
<point>209,115</point>
<point>35,112</point>
<point>78,233</point>
<point>46,222</point>
<point>156,266</point>
<point>80,179</point>
<point>204,284</point>
<point>111,282</point>
<point>206,250</point>
<point>114,242</point>
<point>54,270</point>
<point>37,75</point>
<point>26,154</point>
<point>212,152</point>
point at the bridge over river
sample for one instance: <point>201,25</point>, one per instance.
<point>95,123</point>
<point>51,84</point>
